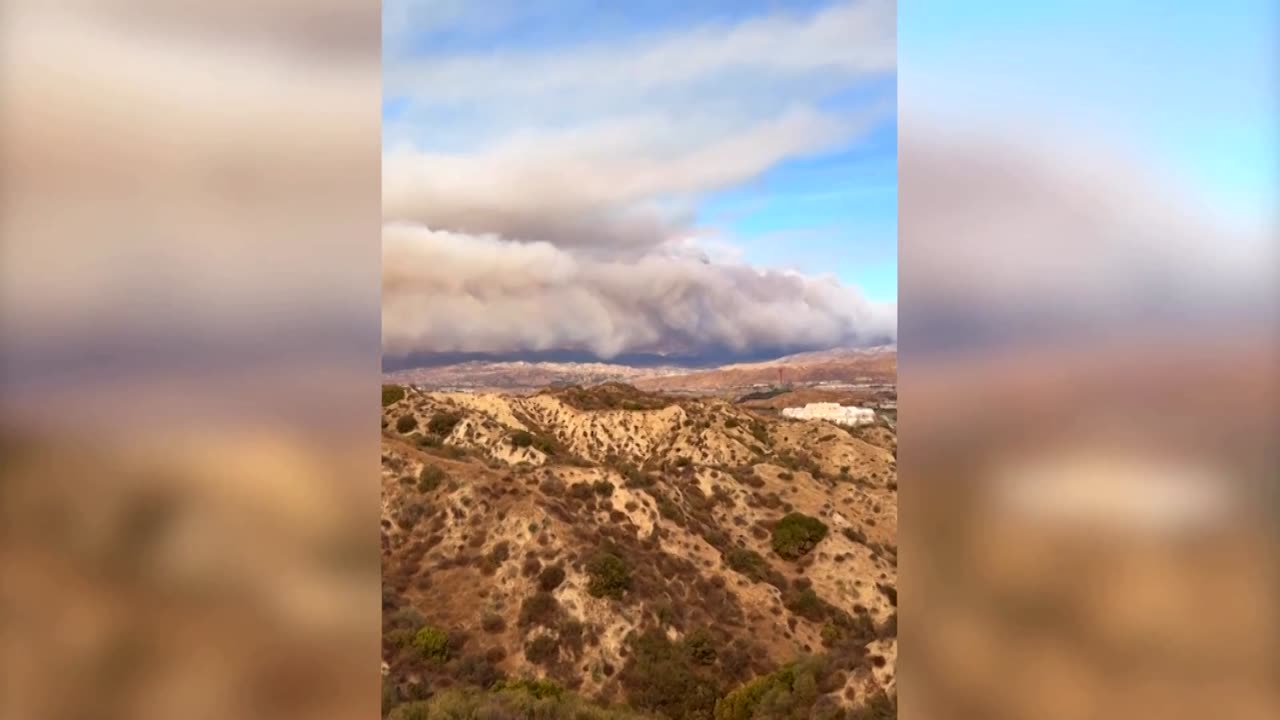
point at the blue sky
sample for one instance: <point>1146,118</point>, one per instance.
<point>833,211</point>
<point>1188,88</point>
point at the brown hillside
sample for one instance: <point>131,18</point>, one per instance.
<point>835,366</point>
<point>594,537</point>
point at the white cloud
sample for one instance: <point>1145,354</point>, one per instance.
<point>848,39</point>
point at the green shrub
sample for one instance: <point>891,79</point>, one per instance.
<point>634,477</point>
<point>399,638</point>
<point>538,688</point>
<point>407,617</point>
<point>610,576</point>
<point>831,634</point>
<point>522,438</point>
<point>406,424</point>
<point>701,647</point>
<point>751,564</point>
<point>542,649</point>
<point>526,699</point>
<point>661,677</point>
<point>747,562</point>
<point>418,710</point>
<point>791,692</point>
<point>796,534</point>
<point>431,477</point>
<point>433,643</point>
<point>390,697</point>
<point>391,394</point>
<point>806,604</point>
<point>741,704</point>
<point>476,670</point>
<point>443,423</point>
<point>545,445</point>
<point>731,423</point>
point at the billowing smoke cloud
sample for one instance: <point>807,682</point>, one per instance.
<point>449,292</point>
<point>572,227</point>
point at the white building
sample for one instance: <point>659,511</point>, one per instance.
<point>835,412</point>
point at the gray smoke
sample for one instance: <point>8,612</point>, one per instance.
<point>535,201</point>
<point>450,292</point>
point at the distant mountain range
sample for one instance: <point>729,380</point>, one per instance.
<point>876,365</point>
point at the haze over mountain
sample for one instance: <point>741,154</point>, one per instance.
<point>839,365</point>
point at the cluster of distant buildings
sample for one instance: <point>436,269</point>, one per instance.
<point>833,412</point>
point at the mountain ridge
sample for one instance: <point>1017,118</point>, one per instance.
<point>845,364</point>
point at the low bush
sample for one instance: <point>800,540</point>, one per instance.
<point>431,477</point>
<point>797,534</point>
<point>754,566</point>
<point>791,692</point>
<point>661,677</point>
<point>806,604</point>
<point>610,576</point>
<point>392,394</point>
<point>535,687</point>
<point>477,670</point>
<point>701,647</point>
<point>518,699</point>
<point>406,424</point>
<point>542,649</point>
<point>550,578</point>
<point>747,562</point>
<point>540,608</point>
<point>443,423</point>
<point>432,643</point>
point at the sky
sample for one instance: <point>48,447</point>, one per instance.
<point>1101,169</point>
<point>643,177</point>
<point>1191,89</point>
